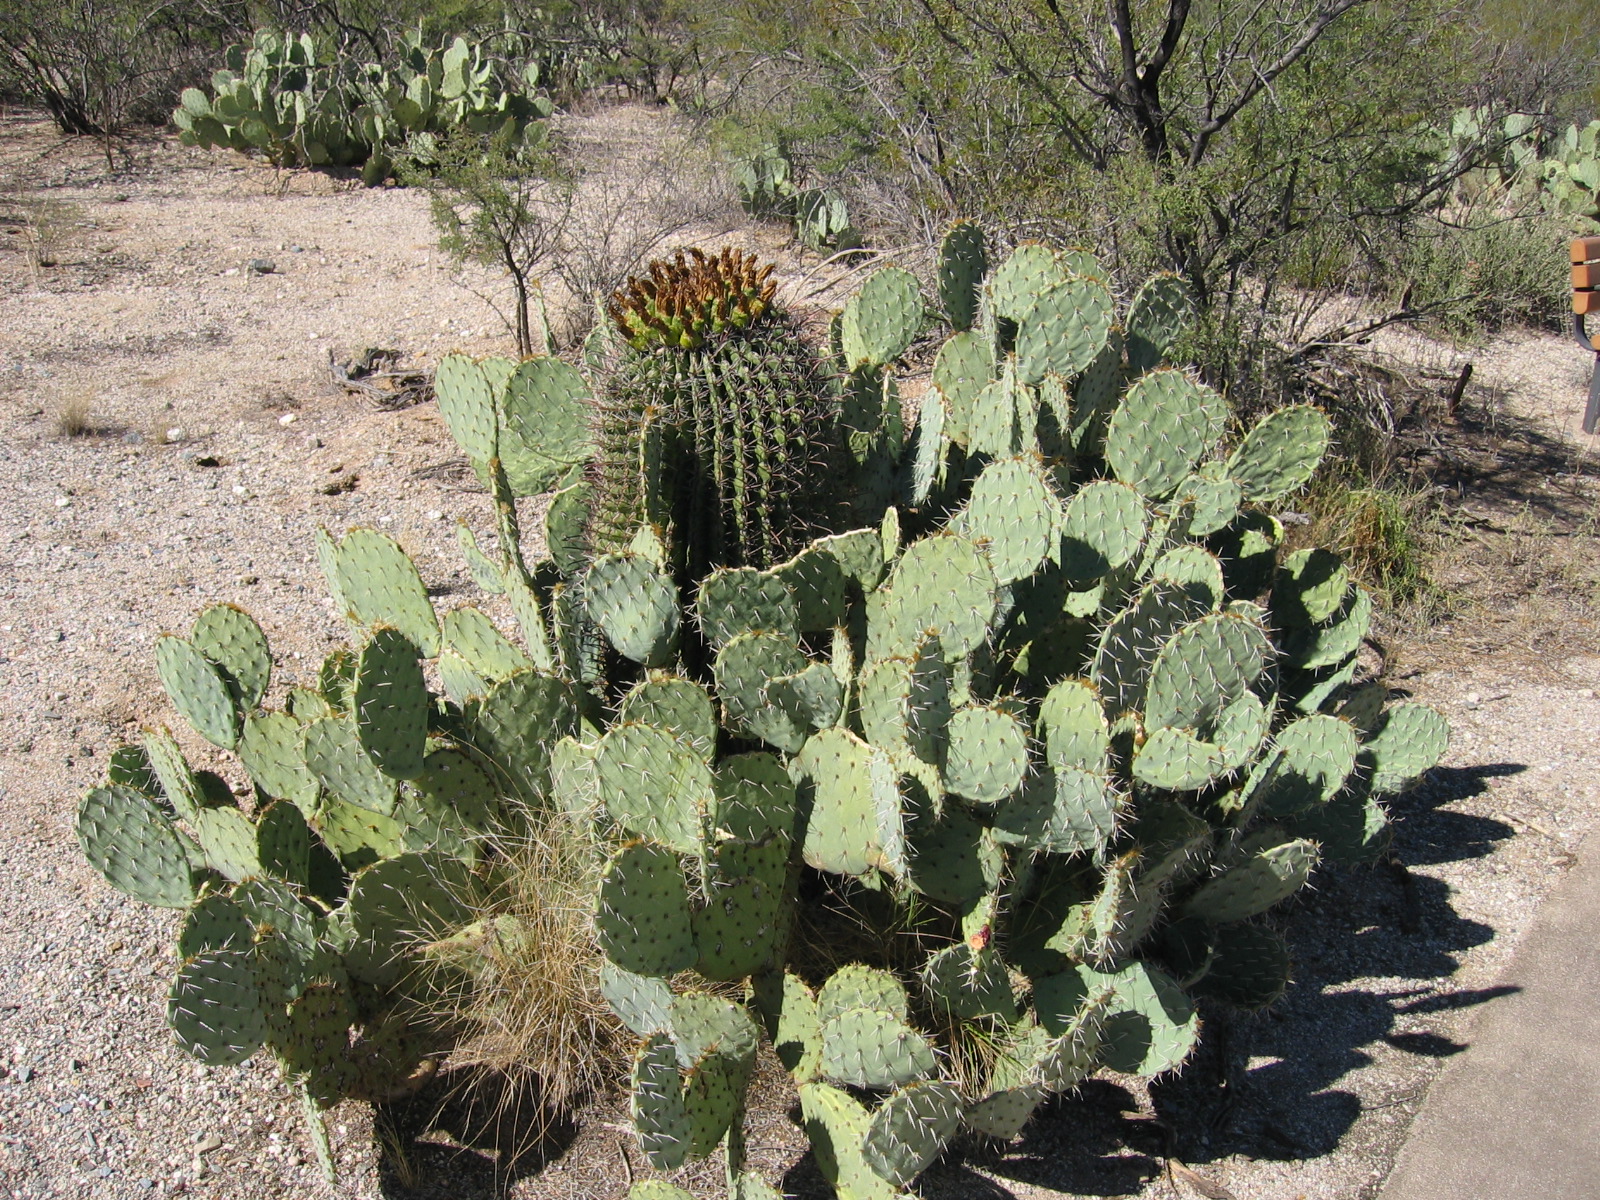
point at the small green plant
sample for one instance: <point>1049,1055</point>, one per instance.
<point>765,181</point>
<point>967,798</point>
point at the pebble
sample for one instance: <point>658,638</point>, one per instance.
<point>175,434</point>
<point>288,419</point>
<point>261,266</point>
<point>435,515</point>
<point>63,501</point>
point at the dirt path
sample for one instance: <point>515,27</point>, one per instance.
<point>215,447</point>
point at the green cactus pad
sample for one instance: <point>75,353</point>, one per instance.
<point>396,906</point>
<point>860,986</point>
<point>1003,1114</point>
<point>1151,1027</point>
<point>1160,311</point>
<point>456,790</point>
<point>952,858</point>
<point>1064,330</point>
<point>742,600</point>
<point>484,571</point>
<point>873,1048</point>
<point>336,677</point>
<point>230,638</point>
<point>942,584</point>
<point>334,755</point>
<point>1001,420</point>
<point>1212,503</point>
<point>228,839</point>
<point>469,405</point>
<point>1073,727</point>
<point>642,1002</point>
<point>880,321</point>
<point>1102,529</point>
<point>518,722</point>
<point>738,929</point>
<point>1012,514</point>
<point>358,835</point>
<point>963,262</point>
<point>659,1189</point>
<point>1202,669</point>
<point>712,1091</point>
<point>270,749</point>
<point>1082,263</point>
<point>289,936</point>
<point>680,706</point>
<point>1095,398</point>
<point>836,1125</point>
<point>967,983</point>
<point>129,766</point>
<point>217,1008</point>
<point>128,839</point>
<point>1029,272</point>
<point>910,1129</point>
<point>1162,428</point>
<point>1310,588</point>
<point>904,704</point>
<point>742,669</point>
<point>546,407</point>
<point>1132,640</point>
<point>1248,548</point>
<point>471,636</point>
<point>1350,828</point>
<point>642,921</point>
<point>1406,743</point>
<point>1309,762</point>
<point>283,843</point>
<point>214,923</point>
<point>755,797</point>
<point>1281,453</point>
<point>704,1024</point>
<point>988,754</point>
<point>962,369</point>
<point>1249,967</point>
<point>379,585</point>
<point>635,605</point>
<point>654,785</point>
<point>1267,876</point>
<point>198,691</point>
<point>1311,647</point>
<point>1240,729</point>
<point>316,1039</point>
<point>810,699</point>
<point>1177,760</point>
<point>1061,810</point>
<point>1192,568</point>
<point>852,805</point>
<point>390,699</point>
<point>660,1115</point>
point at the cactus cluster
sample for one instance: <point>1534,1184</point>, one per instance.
<point>973,800</point>
<point>1561,169</point>
<point>301,108</point>
<point>765,181</point>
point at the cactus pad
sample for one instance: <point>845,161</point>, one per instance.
<point>963,262</point>
<point>742,600</point>
<point>853,824</point>
<point>1406,742</point>
<point>390,698</point>
<point>1102,529</point>
<point>910,1129</point>
<point>1064,330</point>
<point>334,755</point>
<point>654,785</point>
<point>660,1116</point>
<point>217,1008</point>
<point>635,605</point>
<point>1163,426</point>
<point>128,839</point>
<point>837,1125</point>
<point>1161,308</point>
<point>1013,514</point>
<point>988,754</point>
<point>378,584</point>
<point>231,639</point>
<point>678,705</point>
<point>198,690</point>
<point>643,917</point>
<point>1280,453</point>
<point>881,319</point>
<point>1267,876</point>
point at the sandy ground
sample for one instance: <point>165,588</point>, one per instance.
<point>215,446</point>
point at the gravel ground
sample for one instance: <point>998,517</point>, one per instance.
<point>214,448</point>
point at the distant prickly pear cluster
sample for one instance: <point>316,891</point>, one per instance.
<point>974,800</point>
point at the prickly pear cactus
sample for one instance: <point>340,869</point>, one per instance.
<point>974,800</point>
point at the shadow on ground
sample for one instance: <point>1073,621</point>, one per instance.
<point>497,1134</point>
<point>1385,926</point>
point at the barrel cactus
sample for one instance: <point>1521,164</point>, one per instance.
<point>953,808</point>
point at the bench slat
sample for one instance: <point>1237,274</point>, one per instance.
<point>1584,303</point>
<point>1586,250</point>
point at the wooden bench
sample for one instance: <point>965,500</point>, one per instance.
<point>1585,275</point>
<point>1586,300</point>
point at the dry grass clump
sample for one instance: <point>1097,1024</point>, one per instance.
<point>533,1009</point>
<point>75,418</point>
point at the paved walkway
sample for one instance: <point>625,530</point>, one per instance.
<point>1516,1116</point>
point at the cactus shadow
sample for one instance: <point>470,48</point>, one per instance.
<point>472,1133</point>
<point>1370,945</point>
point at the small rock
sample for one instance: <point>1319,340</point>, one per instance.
<point>261,266</point>
<point>63,501</point>
<point>435,515</point>
<point>294,250</point>
<point>231,271</point>
<point>288,418</point>
<point>175,434</point>
<point>207,460</point>
<point>208,1142</point>
<point>25,1074</point>
<point>1586,693</point>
